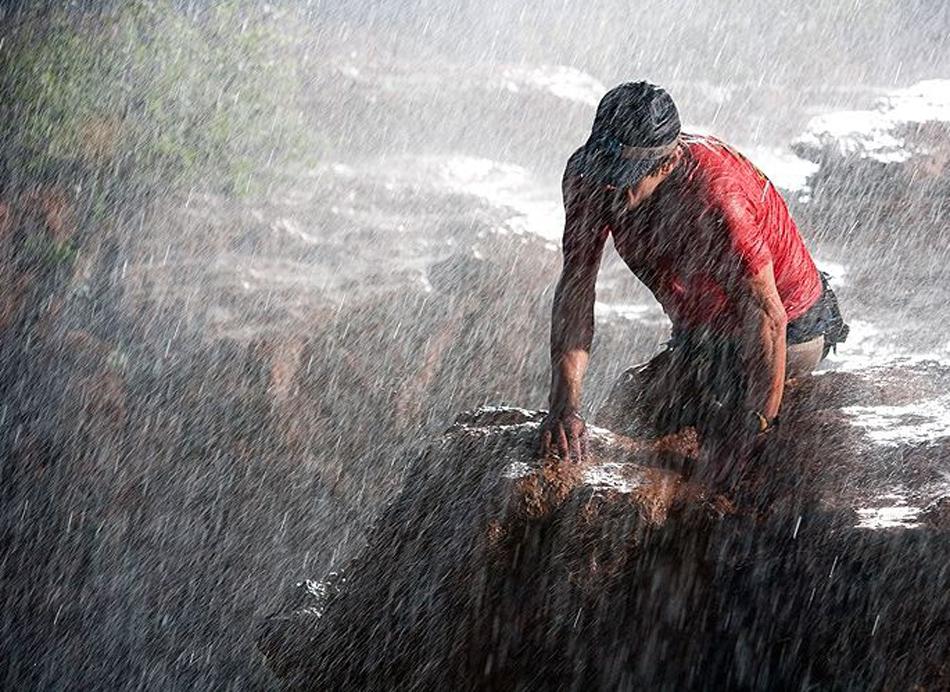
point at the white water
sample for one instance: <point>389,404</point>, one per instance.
<point>893,513</point>
<point>875,134</point>
<point>564,82</point>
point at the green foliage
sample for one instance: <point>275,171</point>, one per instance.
<point>38,250</point>
<point>146,98</point>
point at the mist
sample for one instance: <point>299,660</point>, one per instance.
<point>254,257</point>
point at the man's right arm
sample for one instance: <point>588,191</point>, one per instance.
<point>572,320</point>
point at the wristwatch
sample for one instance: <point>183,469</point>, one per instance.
<point>757,423</point>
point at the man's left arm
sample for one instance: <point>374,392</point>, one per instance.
<point>750,276</point>
<point>763,347</point>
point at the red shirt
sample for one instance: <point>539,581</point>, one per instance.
<point>715,220</point>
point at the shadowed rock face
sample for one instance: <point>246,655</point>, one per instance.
<point>493,570</point>
<point>883,170</point>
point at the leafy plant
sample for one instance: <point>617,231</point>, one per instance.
<point>146,98</point>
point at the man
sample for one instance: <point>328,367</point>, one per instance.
<point>712,239</point>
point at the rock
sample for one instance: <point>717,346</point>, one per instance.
<point>482,521</point>
<point>492,570</point>
<point>893,132</point>
<point>384,94</point>
<point>36,231</point>
<point>891,160</point>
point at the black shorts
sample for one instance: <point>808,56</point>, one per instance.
<point>822,319</point>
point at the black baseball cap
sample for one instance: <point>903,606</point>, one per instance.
<point>636,126</point>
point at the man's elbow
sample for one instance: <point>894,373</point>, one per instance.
<point>774,322</point>
<point>770,321</point>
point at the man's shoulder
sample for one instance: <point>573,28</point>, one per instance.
<point>711,156</point>
<point>723,171</point>
<point>573,169</point>
<point>577,191</point>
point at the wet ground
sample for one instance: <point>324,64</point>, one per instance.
<point>241,414</point>
<point>494,570</point>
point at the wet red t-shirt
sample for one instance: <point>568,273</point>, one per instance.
<point>715,220</point>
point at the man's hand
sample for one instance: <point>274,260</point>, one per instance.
<point>564,434</point>
<point>572,317</point>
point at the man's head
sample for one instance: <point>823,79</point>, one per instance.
<point>633,142</point>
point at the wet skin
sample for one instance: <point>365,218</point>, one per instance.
<point>762,315</point>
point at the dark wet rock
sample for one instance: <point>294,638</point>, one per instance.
<point>888,164</point>
<point>492,570</point>
<point>481,522</point>
<point>901,130</point>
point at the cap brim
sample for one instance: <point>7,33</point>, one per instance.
<point>602,168</point>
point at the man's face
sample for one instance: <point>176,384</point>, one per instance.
<point>639,193</point>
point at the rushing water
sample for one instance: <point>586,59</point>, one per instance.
<point>219,396</point>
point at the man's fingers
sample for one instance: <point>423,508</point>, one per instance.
<point>577,450</point>
<point>545,442</point>
<point>565,438</point>
<point>562,445</point>
<point>574,442</point>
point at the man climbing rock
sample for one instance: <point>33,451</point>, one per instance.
<point>712,239</point>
